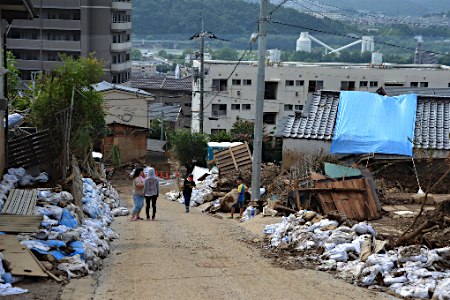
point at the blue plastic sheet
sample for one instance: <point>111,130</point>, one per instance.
<point>371,123</point>
<point>68,220</point>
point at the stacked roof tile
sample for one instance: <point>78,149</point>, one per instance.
<point>432,128</point>
<point>163,83</point>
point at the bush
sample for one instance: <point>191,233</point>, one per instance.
<point>189,148</point>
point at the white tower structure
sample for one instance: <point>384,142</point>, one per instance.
<point>368,44</point>
<point>304,42</point>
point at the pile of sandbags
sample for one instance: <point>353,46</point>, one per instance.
<point>360,258</point>
<point>201,194</point>
<point>74,241</point>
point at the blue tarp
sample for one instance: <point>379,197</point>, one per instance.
<point>371,123</point>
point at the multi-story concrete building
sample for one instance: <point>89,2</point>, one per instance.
<point>289,84</point>
<point>77,28</point>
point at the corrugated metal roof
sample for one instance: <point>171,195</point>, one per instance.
<point>432,128</point>
<point>156,145</point>
<point>163,83</point>
<point>168,112</point>
<point>396,91</point>
<point>106,86</point>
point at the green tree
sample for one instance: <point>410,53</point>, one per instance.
<point>189,148</point>
<point>19,99</point>
<point>243,131</point>
<point>221,136</point>
<point>73,79</point>
<point>136,54</point>
<point>226,54</point>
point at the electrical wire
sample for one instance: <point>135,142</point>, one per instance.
<point>278,7</point>
<point>365,14</point>
<point>249,49</point>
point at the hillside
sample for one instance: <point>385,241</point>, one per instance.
<point>156,17</point>
<point>398,7</point>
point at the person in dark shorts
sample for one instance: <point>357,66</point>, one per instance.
<point>188,185</point>
<point>240,199</point>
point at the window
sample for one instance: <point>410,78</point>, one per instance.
<point>188,104</point>
<point>363,84</point>
<point>270,92</point>
<point>219,85</point>
<point>315,85</point>
<point>288,107</point>
<point>235,106</point>
<point>217,130</point>
<point>414,84</point>
<point>246,106</point>
<point>236,82</point>
<point>373,83</point>
<point>247,82</point>
<point>424,84</point>
<point>299,82</point>
<point>270,118</point>
<point>289,82</point>
<point>219,110</point>
<point>298,107</point>
<point>347,85</point>
<point>394,84</point>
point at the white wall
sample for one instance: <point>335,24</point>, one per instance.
<point>126,108</point>
<point>330,74</point>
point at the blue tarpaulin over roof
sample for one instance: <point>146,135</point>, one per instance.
<point>370,123</point>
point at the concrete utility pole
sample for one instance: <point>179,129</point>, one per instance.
<point>260,88</point>
<point>202,77</point>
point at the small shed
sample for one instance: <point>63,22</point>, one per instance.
<point>131,140</point>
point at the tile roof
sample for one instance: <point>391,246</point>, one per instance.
<point>432,127</point>
<point>163,83</point>
<point>106,86</point>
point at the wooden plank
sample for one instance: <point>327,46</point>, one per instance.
<point>372,200</point>
<point>21,261</point>
<point>19,223</point>
<point>332,189</point>
<point>8,201</point>
<point>326,200</point>
<point>20,202</point>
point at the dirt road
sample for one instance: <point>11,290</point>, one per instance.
<point>195,256</point>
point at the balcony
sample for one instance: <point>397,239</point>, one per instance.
<point>121,67</point>
<point>121,5</point>
<point>36,64</point>
<point>28,44</point>
<point>121,26</point>
<point>48,24</point>
<point>120,47</point>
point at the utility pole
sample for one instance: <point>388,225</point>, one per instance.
<point>260,88</point>
<point>162,126</point>
<point>202,35</point>
<point>202,78</point>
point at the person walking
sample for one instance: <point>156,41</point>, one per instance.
<point>151,193</point>
<point>138,193</point>
<point>188,185</point>
<point>240,199</point>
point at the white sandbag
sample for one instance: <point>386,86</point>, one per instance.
<point>442,290</point>
<point>364,228</point>
<point>6,289</point>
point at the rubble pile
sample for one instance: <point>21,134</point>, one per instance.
<point>203,193</point>
<point>359,257</point>
<point>71,241</point>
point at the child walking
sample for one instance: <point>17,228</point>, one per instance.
<point>188,185</point>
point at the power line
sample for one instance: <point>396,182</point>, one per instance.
<point>355,38</point>
<point>249,49</point>
<point>365,14</point>
<point>278,7</point>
